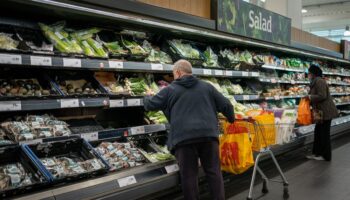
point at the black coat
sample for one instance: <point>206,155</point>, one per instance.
<point>191,107</point>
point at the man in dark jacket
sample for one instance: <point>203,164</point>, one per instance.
<point>191,107</point>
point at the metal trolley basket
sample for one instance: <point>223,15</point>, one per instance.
<point>263,136</point>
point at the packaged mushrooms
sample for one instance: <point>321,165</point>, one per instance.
<point>13,176</point>
<point>77,87</point>
<point>22,88</point>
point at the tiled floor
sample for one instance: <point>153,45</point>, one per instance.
<point>312,180</point>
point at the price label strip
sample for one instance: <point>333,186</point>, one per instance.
<point>116,103</point>
<point>69,103</point>
<point>246,97</point>
<point>255,74</point>
<point>172,168</point>
<point>90,136</point>
<point>10,59</point>
<point>228,73</point>
<point>157,66</point>
<point>218,72</point>
<point>137,130</point>
<point>245,74</point>
<point>134,102</point>
<point>40,60</point>
<point>207,71</point>
<point>10,105</point>
<point>71,62</point>
<point>36,141</point>
<point>116,64</point>
<point>129,180</point>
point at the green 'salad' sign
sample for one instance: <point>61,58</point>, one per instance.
<point>242,18</point>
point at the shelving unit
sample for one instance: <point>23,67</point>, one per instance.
<point>126,111</point>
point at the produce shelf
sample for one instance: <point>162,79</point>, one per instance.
<point>266,66</point>
<point>109,65</point>
<point>275,80</point>
<point>337,74</point>
<point>342,104</point>
<point>247,97</point>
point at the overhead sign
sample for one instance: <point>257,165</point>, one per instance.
<point>345,46</point>
<point>242,18</point>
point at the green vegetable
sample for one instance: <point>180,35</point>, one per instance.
<point>211,59</point>
<point>97,47</point>
<point>115,48</point>
<point>155,55</point>
<point>134,48</point>
<point>186,50</point>
<point>157,117</point>
<point>6,42</point>
<point>247,57</point>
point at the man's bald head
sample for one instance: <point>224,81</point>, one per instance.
<point>183,66</point>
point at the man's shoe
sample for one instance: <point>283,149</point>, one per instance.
<point>311,157</point>
<point>320,158</point>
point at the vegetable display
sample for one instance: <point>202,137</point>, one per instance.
<point>13,176</point>
<point>186,50</point>
<point>7,43</point>
<point>211,59</point>
<point>115,48</point>
<point>157,117</point>
<point>155,55</point>
<point>22,87</point>
<point>90,46</point>
<point>134,48</point>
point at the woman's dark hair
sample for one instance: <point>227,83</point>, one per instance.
<point>315,70</point>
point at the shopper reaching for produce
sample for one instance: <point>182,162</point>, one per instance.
<point>191,107</point>
<point>324,110</point>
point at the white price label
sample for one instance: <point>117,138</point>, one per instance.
<point>273,80</point>
<point>228,73</point>
<point>137,130</point>
<point>156,66</point>
<point>10,105</point>
<point>90,136</point>
<point>116,64</point>
<point>40,60</point>
<point>172,168</point>
<point>126,181</point>
<point>134,102</point>
<point>246,97</point>
<point>10,59</point>
<point>245,74</point>
<point>277,97</point>
<point>207,71</point>
<point>292,82</point>
<point>219,72</point>
<point>255,74</point>
<point>69,103</point>
<point>71,62</point>
<point>116,103</point>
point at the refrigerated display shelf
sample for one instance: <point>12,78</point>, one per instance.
<point>337,74</point>
<point>275,80</point>
<point>342,104</point>
<point>110,65</point>
<point>281,68</point>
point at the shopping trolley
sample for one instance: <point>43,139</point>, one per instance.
<point>263,136</point>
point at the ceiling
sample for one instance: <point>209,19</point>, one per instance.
<point>327,18</point>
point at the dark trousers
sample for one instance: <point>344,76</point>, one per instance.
<point>322,140</point>
<point>187,157</point>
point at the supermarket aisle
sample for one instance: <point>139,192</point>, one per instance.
<point>313,180</point>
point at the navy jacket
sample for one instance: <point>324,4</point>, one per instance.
<point>191,107</point>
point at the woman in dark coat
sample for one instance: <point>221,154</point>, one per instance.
<point>322,101</point>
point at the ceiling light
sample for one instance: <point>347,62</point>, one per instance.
<point>347,31</point>
<point>263,1</point>
<point>303,10</point>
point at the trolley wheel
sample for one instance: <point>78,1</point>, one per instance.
<point>265,190</point>
<point>285,193</point>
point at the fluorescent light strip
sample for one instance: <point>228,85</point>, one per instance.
<point>181,28</point>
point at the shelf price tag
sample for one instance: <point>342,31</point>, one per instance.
<point>10,59</point>
<point>207,71</point>
<point>116,64</point>
<point>156,66</point>
<point>245,74</point>
<point>69,103</point>
<point>292,82</point>
<point>172,168</point>
<point>246,97</point>
<point>41,60</point>
<point>129,180</point>
<point>71,62</point>
<point>116,103</point>
<point>134,102</point>
<point>137,130</point>
<point>218,72</point>
<point>10,105</point>
<point>228,73</point>
<point>255,74</point>
<point>273,80</point>
<point>90,136</point>
<point>277,97</point>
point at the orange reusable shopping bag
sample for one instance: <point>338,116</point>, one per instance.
<point>235,149</point>
<point>304,112</point>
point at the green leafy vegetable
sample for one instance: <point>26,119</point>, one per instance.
<point>211,59</point>
<point>186,50</point>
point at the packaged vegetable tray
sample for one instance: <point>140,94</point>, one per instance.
<point>134,46</point>
<point>77,84</point>
<point>119,153</point>
<point>112,84</point>
<point>68,160</point>
<point>19,172</point>
<point>113,44</point>
<point>26,84</point>
<point>228,59</point>
<point>184,49</point>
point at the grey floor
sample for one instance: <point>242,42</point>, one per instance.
<point>312,180</point>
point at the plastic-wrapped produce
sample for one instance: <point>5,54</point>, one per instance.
<point>7,43</point>
<point>13,176</point>
<point>90,46</point>
<point>186,50</point>
<point>211,59</point>
<point>22,87</point>
<point>155,55</point>
<point>120,155</point>
<point>157,117</point>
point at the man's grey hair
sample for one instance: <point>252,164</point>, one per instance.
<point>183,66</point>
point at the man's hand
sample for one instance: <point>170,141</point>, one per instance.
<point>149,92</point>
